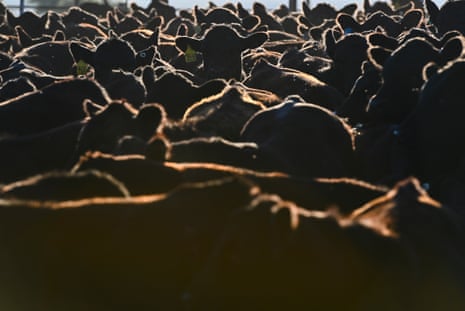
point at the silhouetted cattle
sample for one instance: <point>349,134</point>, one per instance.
<point>221,48</point>
<point>224,158</point>
<point>52,106</point>
<point>402,75</point>
<point>448,17</point>
<point>326,150</point>
<point>285,82</point>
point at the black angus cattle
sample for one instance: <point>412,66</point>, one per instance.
<point>221,49</point>
<point>112,53</point>
<point>286,82</point>
<point>15,87</point>
<point>365,259</point>
<point>402,75</point>
<point>392,26</point>
<point>50,107</point>
<point>354,107</point>
<point>341,64</point>
<point>137,251</point>
<point>114,61</point>
<point>223,114</point>
<point>433,130</point>
<point>302,139</point>
<point>60,147</point>
<point>347,54</point>
<point>202,189</point>
<point>160,90</point>
<point>448,17</point>
<point>52,58</point>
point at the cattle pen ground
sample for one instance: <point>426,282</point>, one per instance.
<point>228,158</point>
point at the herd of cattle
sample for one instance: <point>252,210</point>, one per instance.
<point>229,159</point>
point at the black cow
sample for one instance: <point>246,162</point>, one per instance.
<point>402,75</point>
<point>302,139</point>
<point>221,47</point>
<point>52,106</point>
<point>285,82</point>
<point>223,114</point>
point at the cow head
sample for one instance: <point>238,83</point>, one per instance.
<point>222,47</point>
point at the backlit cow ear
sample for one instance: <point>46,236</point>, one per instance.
<point>23,37</point>
<point>429,70</point>
<point>433,11</point>
<point>112,20</point>
<point>250,22</point>
<point>59,35</point>
<point>184,42</point>
<point>90,108</point>
<point>367,66</point>
<point>154,38</point>
<point>254,40</point>
<point>378,56</point>
<point>383,40</point>
<point>112,34</point>
<point>148,76</point>
<point>80,52</point>
<point>154,22</point>
<point>451,50</point>
<point>449,35</point>
<point>346,23</point>
<point>412,18</point>
<point>330,42</point>
<point>199,15</point>
<point>10,19</point>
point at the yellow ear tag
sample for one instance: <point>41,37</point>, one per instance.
<point>82,68</point>
<point>190,55</point>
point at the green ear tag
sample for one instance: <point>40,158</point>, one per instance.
<point>82,68</point>
<point>190,55</point>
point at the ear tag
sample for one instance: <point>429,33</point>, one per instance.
<point>82,68</point>
<point>190,55</point>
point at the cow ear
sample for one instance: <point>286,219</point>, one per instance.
<point>198,15</point>
<point>59,35</point>
<point>367,66</point>
<point>412,18</point>
<point>23,37</point>
<point>254,40</point>
<point>306,10</point>
<point>112,34</point>
<point>80,52</point>
<point>154,38</point>
<point>433,11</point>
<point>112,20</point>
<point>378,56</point>
<point>429,70</point>
<point>329,42</point>
<point>451,50</point>
<point>184,42</point>
<point>449,35</point>
<point>154,22</point>
<point>383,40</point>
<point>148,76</point>
<point>10,19</point>
<point>90,108</point>
<point>346,23</point>
<point>250,22</point>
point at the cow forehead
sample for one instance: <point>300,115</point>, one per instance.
<point>221,34</point>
